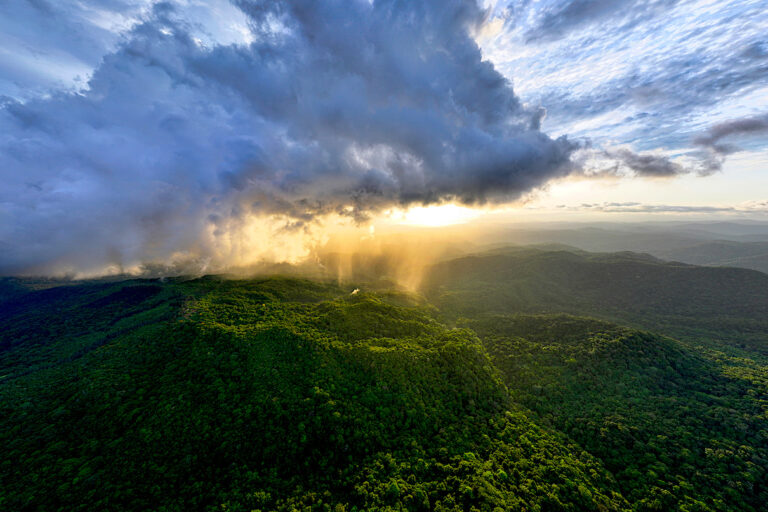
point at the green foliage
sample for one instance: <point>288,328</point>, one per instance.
<point>678,430</point>
<point>295,395</point>
<point>726,308</point>
<point>274,394</point>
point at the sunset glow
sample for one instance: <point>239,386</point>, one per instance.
<point>438,216</point>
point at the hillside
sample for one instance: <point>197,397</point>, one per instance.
<point>275,394</point>
<point>720,306</point>
<point>722,253</point>
<point>288,394</point>
<point>719,244</point>
<point>680,431</point>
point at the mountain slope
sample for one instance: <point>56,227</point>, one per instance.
<point>723,253</point>
<point>274,394</point>
<point>288,394</point>
<point>715,305</point>
<point>679,431</point>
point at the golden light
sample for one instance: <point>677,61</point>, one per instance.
<point>439,215</point>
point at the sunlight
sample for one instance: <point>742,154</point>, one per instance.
<point>438,216</point>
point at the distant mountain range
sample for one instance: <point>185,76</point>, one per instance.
<point>721,244</point>
<point>672,298</point>
<point>722,253</point>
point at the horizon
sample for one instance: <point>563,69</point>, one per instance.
<point>144,132</point>
<point>402,254</point>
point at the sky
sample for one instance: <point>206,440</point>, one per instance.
<point>137,131</point>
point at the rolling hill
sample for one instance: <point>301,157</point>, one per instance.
<point>670,423</point>
<point>281,393</point>
<point>274,394</point>
<point>722,253</point>
<point>727,307</point>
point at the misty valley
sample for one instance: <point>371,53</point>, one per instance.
<point>537,377</point>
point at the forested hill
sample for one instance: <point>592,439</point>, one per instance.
<point>266,395</point>
<point>722,253</point>
<point>289,394</point>
<point>680,429</point>
<point>725,306</point>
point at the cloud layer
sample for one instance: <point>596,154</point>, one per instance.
<point>754,207</point>
<point>334,107</point>
<point>653,74</point>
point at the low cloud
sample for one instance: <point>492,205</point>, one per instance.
<point>624,162</point>
<point>648,165</point>
<point>753,207</point>
<point>713,137</point>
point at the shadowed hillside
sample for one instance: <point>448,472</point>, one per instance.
<point>672,425</point>
<point>698,303</point>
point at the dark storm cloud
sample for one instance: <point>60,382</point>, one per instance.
<point>735,127</point>
<point>648,165</point>
<point>335,107</point>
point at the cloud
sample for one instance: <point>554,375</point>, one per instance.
<point>755,207</point>
<point>592,162</point>
<point>47,43</point>
<point>734,127</point>
<point>648,74</point>
<point>660,166</point>
<point>561,17</point>
<point>648,165</point>
<point>334,107</point>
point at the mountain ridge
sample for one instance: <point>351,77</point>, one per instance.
<point>282,393</point>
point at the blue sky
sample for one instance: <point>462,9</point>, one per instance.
<point>650,76</point>
<point>136,130</point>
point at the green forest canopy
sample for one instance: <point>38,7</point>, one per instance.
<point>288,394</point>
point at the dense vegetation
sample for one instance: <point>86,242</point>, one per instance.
<point>700,304</point>
<point>679,431</point>
<point>276,394</point>
<point>723,253</point>
<point>289,394</point>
